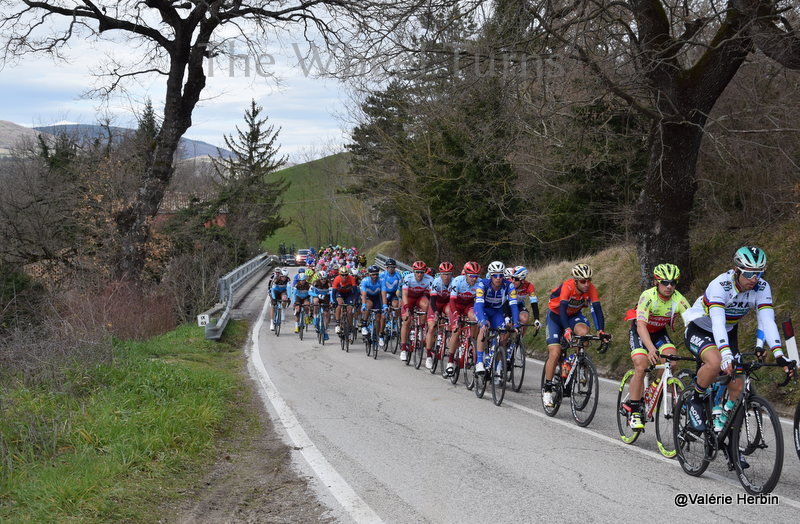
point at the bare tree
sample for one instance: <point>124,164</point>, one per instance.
<point>172,39</point>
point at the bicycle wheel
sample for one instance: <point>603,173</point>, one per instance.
<point>395,336</point>
<point>558,392</point>
<point>626,434</point>
<point>757,442</point>
<point>419,349</point>
<point>302,326</point>
<point>437,350</point>
<point>480,380</point>
<point>459,361</point>
<point>690,448</point>
<point>469,364</point>
<point>518,366</point>
<point>664,415</point>
<point>498,375</point>
<point>368,345</point>
<point>277,320</point>
<point>584,395</point>
<point>797,430</point>
<point>373,335</point>
<point>686,376</point>
<point>322,328</point>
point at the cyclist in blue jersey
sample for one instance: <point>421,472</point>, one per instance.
<point>371,299</point>
<point>300,296</point>
<point>321,296</point>
<point>279,289</point>
<point>462,302</point>
<point>490,295</point>
<point>297,276</point>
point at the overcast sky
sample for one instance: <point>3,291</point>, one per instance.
<point>309,110</point>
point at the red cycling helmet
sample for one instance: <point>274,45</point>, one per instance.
<point>472,268</point>
<point>445,267</point>
<point>428,271</point>
<point>419,265</point>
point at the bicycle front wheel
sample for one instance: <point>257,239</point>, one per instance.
<point>797,430</point>
<point>584,394</point>
<point>469,364</point>
<point>665,411</point>
<point>690,448</point>
<point>626,434</point>
<point>757,442</point>
<point>498,376</point>
<point>558,392</point>
<point>277,321</point>
<point>480,381</point>
<point>518,368</point>
<point>302,326</point>
<point>419,349</point>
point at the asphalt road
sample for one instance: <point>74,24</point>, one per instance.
<point>388,442</point>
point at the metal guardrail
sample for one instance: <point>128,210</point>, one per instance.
<point>229,285</point>
<point>380,261</point>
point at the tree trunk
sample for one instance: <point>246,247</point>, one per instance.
<point>665,203</point>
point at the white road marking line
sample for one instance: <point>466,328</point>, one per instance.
<point>353,504</point>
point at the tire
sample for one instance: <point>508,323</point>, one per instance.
<point>758,438</point>
<point>437,351</point>
<point>498,375</point>
<point>690,450</point>
<point>373,335</point>
<point>480,382</point>
<point>518,359</point>
<point>797,431</point>
<point>665,439</point>
<point>277,321</point>
<point>302,326</point>
<point>626,434</point>
<point>368,345</point>
<point>558,393</point>
<point>458,360</point>
<point>322,328</point>
<point>419,349</point>
<point>469,365</point>
<point>395,336</point>
<point>686,376</point>
<point>584,392</point>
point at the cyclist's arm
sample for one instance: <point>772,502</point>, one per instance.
<point>562,313</point>
<point>512,302</point>
<point>598,317</point>
<point>480,313</point>
<point>644,336</point>
<point>766,324</point>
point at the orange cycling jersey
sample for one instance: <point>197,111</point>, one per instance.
<point>344,285</point>
<point>575,299</point>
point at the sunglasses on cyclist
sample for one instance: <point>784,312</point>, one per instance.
<point>584,280</point>
<point>669,282</point>
<point>473,276</point>
<point>516,279</point>
<point>751,274</point>
<point>418,272</point>
<point>496,275</point>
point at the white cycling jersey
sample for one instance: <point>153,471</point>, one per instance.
<point>723,305</point>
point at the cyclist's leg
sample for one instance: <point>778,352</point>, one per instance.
<point>735,385</point>
<point>701,344</point>
<point>524,316</point>
<point>640,365</point>
<point>429,337</point>
<point>554,332</point>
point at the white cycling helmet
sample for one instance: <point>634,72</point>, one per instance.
<point>496,267</point>
<point>581,271</point>
<point>301,276</point>
<point>508,272</point>
<point>285,272</point>
<point>520,272</point>
<point>322,274</point>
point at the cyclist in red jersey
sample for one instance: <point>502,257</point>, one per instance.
<point>416,290</point>
<point>565,315</point>
<point>439,305</point>
<point>462,302</point>
<point>343,292</point>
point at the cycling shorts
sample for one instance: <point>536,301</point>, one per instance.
<point>660,340</point>
<point>277,291</point>
<point>554,328</point>
<point>299,301</point>
<point>414,302</point>
<point>391,295</point>
<point>346,297</point>
<point>441,308</point>
<point>496,317</point>
<point>324,299</point>
<point>698,340</point>
<point>520,307</point>
<point>377,301</point>
<point>457,309</point>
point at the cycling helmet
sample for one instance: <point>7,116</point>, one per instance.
<point>404,274</point>
<point>373,270</point>
<point>429,271</point>
<point>666,272</point>
<point>344,270</point>
<point>301,277</point>
<point>520,272</point>
<point>285,272</point>
<point>322,275</point>
<point>750,258</point>
<point>301,270</point>
<point>445,267</point>
<point>496,267</point>
<point>472,268</point>
<point>581,271</point>
<point>508,272</point>
<point>419,265</point>
<point>390,262</point>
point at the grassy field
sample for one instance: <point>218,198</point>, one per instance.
<point>318,213</point>
<point>116,438</point>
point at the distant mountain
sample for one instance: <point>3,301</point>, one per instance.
<point>188,148</point>
<point>12,134</point>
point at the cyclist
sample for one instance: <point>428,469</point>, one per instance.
<point>371,299</point>
<point>656,310</point>
<point>300,271</point>
<point>565,315</point>
<point>279,288</point>
<point>439,306</point>
<point>343,292</point>
<point>462,302</point>
<point>490,297</point>
<point>300,296</point>
<point>416,290</point>
<point>712,325</point>
<point>524,290</point>
<point>390,285</point>
<point>321,296</point>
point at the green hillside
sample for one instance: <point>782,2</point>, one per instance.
<point>318,212</point>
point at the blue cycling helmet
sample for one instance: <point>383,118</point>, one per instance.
<point>373,269</point>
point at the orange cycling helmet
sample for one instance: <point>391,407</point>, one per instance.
<point>445,267</point>
<point>472,268</point>
<point>419,265</point>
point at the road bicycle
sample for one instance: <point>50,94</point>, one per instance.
<point>658,404</point>
<point>371,340</point>
<point>344,327</point>
<point>321,321</point>
<point>464,358</point>
<point>751,438</point>
<point>277,315</point>
<point>796,430</point>
<point>495,362</point>
<point>302,320</point>
<point>576,377</point>
<point>517,356</point>
<point>442,334</point>
<point>417,333</point>
<point>354,319</point>
<point>391,330</point>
